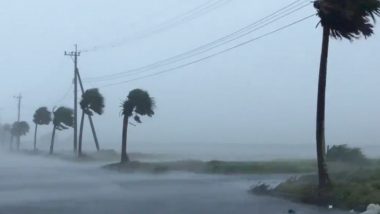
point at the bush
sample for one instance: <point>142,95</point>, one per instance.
<point>349,190</point>
<point>343,153</point>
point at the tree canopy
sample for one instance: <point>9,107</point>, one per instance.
<point>92,101</point>
<point>63,118</point>
<point>138,103</point>
<point>20,128</point>
<point>348,19</point>
<point>42,116</point>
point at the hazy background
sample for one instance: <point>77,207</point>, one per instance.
<point>260,94</point>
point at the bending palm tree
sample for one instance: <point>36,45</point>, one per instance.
<point>63,119</point>
<point>19,129</point>
<point>349,19</point>
<point>139,103</point>
<point>42,116</point>
<point>92,101</point>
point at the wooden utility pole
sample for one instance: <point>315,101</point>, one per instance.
<point>89,116</point>
<point>19,98</point>
<point>77,78</point>
<point>74,55</point>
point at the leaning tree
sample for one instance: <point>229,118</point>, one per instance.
<point>63,118</point>
<point>138,103</point>
<point>42,116</point>
<point>92,102</point>
<point>340,19</point>
<point>19,129</point>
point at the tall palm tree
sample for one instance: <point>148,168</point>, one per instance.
<point>92,102</point>
<point>42,116</point>
<point>19,129</point>
<point>138,103</point>
<point>63,119</point>
<point>348,19</point>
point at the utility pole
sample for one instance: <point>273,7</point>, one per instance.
<point>89,116</point>
<point>74,55</point>
<point>19,98</point>
<point>77,78</point>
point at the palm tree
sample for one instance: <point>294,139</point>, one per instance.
<point>63,119</point>
<point>92,101</point>
<point>138,103</point>
<point>348,19</point>
<point>42,116</point>
<point>19,129</point>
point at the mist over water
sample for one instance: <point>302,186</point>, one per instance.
<point>206,151</point>
<point>35,184</point>
<point>211,80</point>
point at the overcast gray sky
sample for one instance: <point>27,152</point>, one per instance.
<point>260,93</point>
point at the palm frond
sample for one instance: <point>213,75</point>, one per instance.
<point>63,118</point>
<point>42,116</point>
<point>20,128</point>
<point>138,102</point>
<point>92,100</point>
<point>349,19</point>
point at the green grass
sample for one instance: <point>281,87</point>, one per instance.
<point>354,187</point>
<point>219,167</point>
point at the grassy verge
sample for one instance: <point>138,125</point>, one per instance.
<point>218,167</point>
<point>352,188</point>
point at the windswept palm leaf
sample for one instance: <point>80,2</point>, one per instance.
<point>348,19</point>
<point>63,118</point>
<point>42,116</point>
<point>92,101</point>
<point>20,128</point>
<point>138,102</point>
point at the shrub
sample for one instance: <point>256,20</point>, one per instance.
<point>343,153</point>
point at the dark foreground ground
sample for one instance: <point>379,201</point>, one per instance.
<point>40,185</point>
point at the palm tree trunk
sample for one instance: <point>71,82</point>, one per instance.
<point>81,135</point>
<point>124,156</point>
<point>323,176</point>
<point>52,140</point>
<point>35,137</point>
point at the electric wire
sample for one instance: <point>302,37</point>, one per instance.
<point>209,46</point>
<point>212,55</point>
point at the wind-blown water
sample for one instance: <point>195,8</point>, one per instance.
<point>31,184</point>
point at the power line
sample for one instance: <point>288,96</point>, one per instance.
<point>202,48</point>
<point>212,55</point>
<point>277,15</point>
<point>175,21</point>
<point>64,96</point>
<point>18,98</point>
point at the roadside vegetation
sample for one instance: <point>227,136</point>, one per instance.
<point>218,167</point>
<point>356,182</point>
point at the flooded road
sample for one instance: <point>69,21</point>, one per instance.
<point>38,185</point>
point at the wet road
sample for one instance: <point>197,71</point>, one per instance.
<point>39,185</point>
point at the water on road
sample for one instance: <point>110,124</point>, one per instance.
<point>39,185</point>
